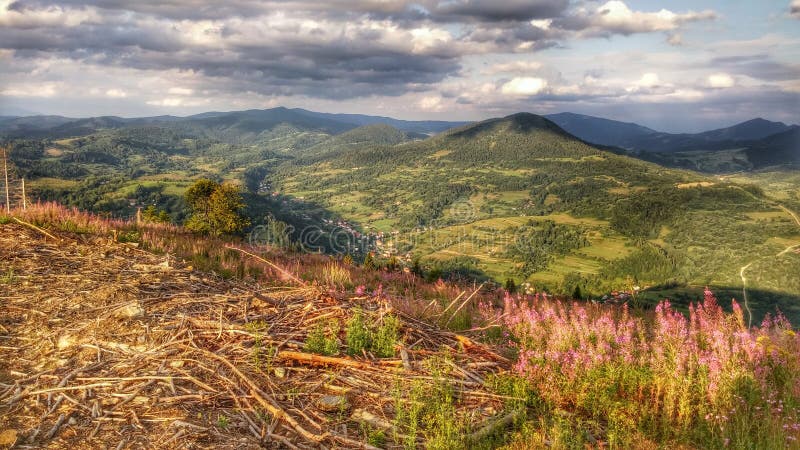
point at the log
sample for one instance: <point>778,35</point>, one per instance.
<point>335,361</point>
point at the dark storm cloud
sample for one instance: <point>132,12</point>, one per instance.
<point>496,11</point>
<point>439,11</point>
<point>336,60</point>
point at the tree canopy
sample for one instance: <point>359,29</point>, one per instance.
<point>216,208</point>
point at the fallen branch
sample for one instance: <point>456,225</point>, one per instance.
<point>22,222</point>
<point>271,264</point>
<point>494,425</point>
<point>331,360</point>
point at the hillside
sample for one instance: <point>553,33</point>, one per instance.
<point>601,131</point>
<point>520,198</point>
<point>412,126</point>
<point>137,349</point>
<point>140,335</point>
<point>512,198</point>
<point>367,136</point>
<point>752,145</point>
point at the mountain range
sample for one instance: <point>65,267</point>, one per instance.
<point>631,136</point>
<point>748,145</point>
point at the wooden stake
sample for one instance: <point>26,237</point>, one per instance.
<point>5,171</point>
<point>24,200</point>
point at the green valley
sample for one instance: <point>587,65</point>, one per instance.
<point>515,198</point>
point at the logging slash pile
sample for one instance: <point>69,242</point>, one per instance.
<point>104,345</point>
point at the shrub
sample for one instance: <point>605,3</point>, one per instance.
<point>323,338</point>
<point>385,340</point>
<point>358,335</point>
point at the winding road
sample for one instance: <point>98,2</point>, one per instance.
<point>744,268</point>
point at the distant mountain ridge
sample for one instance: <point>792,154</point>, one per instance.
<point>418,126</point>
<point>601,131</point>
<point>631,136</point>
<point>758,141</point>
<point>248,123</point>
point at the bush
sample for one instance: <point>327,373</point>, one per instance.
<point>323,338</point>
<point>358,335</point>
<point>385,340</point>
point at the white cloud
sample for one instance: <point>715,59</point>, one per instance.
<point>616,17</point>
<point>180,91</point>
<point>169,101</point>
<point>524,86</point>
<point>46,90</point>
<point>544,24</point>
<point>116,93</point>
<point>649,80</point>
<point>515,67</point>
<point>431,103</point>
<point>424,39</point>
<point>720,80</point>
<point>794,9</point>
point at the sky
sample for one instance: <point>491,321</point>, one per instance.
<point>677,66</point>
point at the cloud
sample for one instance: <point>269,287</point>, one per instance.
<point>431,103</point>
<point>760,66</point>
<point>648,80</point>
<point>674,39</point>
<point>794,9</point>
<point>494,11</point>
<point>116,93</point>
<point>615,17</point>
<point>425,58</point>
<point>180,91</point>
<point>513,67</point>
<point>335,50</point>
<point>46,90</point>
<point>721,80</point>
<point>15,14</point>
<point>524,86</point>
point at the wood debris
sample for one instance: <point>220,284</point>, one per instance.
<point>106,346</point>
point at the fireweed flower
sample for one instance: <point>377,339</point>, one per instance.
<point>689,365</point>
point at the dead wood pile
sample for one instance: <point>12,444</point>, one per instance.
<point>103,345</point>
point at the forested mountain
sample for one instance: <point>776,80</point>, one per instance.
<point>631,136</point>
<point>516,197</point>
<point>777,149</point>
<point>520,198</point>
<point>370,137</point>
<point>601,131</point>
<point>237,125</point>
<point>417,126</point>
<point>753,144</point>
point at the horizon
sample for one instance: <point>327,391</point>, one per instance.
<point>631,61</point>
<point>790,124</point>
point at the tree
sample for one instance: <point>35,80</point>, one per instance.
<point>155,215</point>
<point>216,208</point>
<point>199,195</point>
